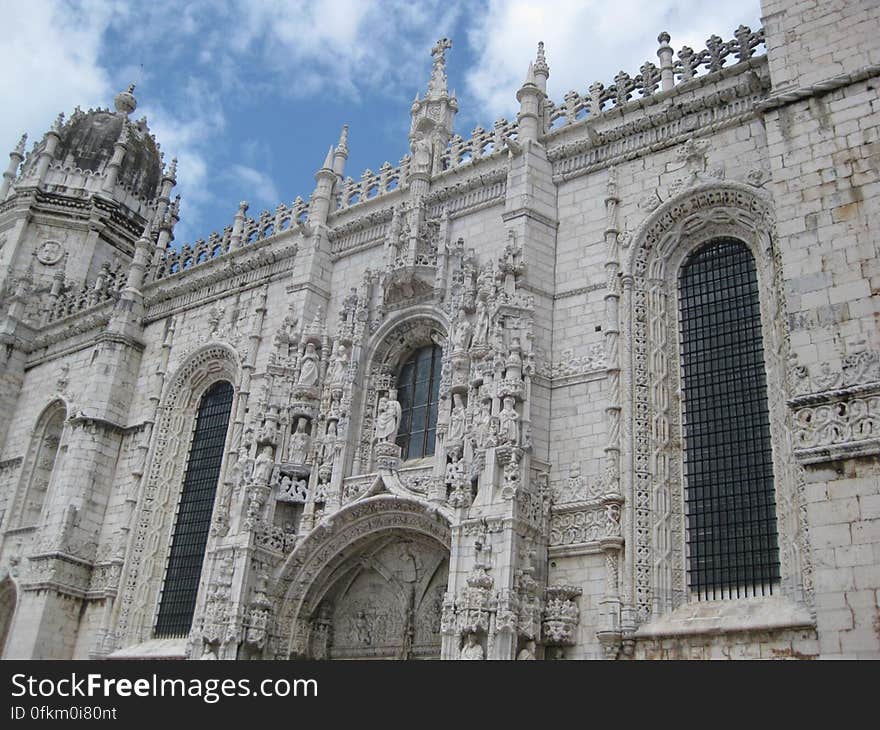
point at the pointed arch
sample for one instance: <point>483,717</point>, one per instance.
<point>8,605</point>
<point>45,452</point>
<point>163,482</point>
<point>651,440</point>
<point>397,339</point>
<point>325,556</point>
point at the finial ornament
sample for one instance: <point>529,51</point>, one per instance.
<point>437,85</point>
<point>541,66</point>
<point>19,148</point>
<point>125,101</point>
<point>342,145</point>
<point>59,122</point>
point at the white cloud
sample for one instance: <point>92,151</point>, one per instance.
<point>256,185</point>
<point>50,64</point>
<point>585,41</point>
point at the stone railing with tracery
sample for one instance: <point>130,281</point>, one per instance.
<point>481,144</point>
<point>245,231</point>
<point>653,78</point>
<point>70,300</point>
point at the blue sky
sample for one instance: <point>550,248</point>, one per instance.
<point>249,94</point>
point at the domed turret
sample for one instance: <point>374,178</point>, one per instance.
<point>88,140</point>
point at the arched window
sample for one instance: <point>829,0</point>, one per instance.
<point>194,513</point>
<point>418,388</point>
<point>8,600</point>
<point>44,459</point>
<point>728,467</point>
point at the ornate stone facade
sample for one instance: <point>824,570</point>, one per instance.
<point>548,515</point>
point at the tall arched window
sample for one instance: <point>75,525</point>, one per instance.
<point>194,513</point>
<point>418,388</point>
<point>44,460</point>
<point>728,466</point>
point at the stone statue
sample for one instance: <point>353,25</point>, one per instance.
<point>513,366</point>
<point>456,419</point>
<point>263,466</point>
<point>388,418</point>
<point>471,649</point>
<point>527,653</point>
<point>299,443</point>
<point>481,426</point>
<point>421,149</point>
<point>308,372</point>
<point>462,332</point>
<point>338,366</point>
<point>362,628</point>
<point>509,423</point>
<point>481,331</point>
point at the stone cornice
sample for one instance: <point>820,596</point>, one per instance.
<point>819,88</point>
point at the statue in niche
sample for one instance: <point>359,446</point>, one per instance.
<point>421,149</point>
<point>299,443</point>
<point>388,418</point>
<point>263,466</point>
<point>331,429</point>
<point>492,437</point>
<point>471,649</point>
<point>496,338</point>
<point>481,426</point>
<point>509,423</point>
<point>338,366</point>
<point>527,653</point>
<point>308,372</point>
<point>362,628</point>
<point>456,419</point>
<point>483,326</point>
<point>513,366</point>
<point>461,333</point>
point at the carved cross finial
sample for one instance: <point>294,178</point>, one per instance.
<point>440,48</point>
<point>437,84</point>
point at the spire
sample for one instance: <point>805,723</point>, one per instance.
<point>19,148</point>
<point>530,76</point>
<point>328,160</point>
<point>342,145</point>
<point>59,122</point>
<point>341,153</point>
<point>541,69</point>
<point>541,66</point>
<point>171,172</point>
<point>437,86</point>
<point>125,101</point>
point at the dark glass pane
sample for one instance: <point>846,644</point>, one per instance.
<point>416,445</point>
<point>418,389</point>
<point>418,418</point>
<point>194,513</point>
<point>731,539</point>
<point>421,393</point>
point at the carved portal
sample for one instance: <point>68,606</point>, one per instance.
<point>386,601</point>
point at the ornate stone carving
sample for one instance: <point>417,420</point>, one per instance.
<point>561,615</point>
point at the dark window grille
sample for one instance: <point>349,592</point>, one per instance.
<point>731,510</point>
<point>194,513</point>
<point>418,392</point>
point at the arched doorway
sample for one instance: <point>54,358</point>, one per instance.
<point>385,601</point>
<point>369,584</point>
